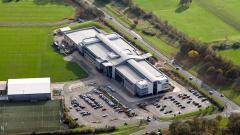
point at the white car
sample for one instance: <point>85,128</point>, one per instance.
<point>105,115</point>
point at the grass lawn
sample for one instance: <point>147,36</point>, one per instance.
<point>197,21</point>
<point>224,122</point>
<point>189,115</point>
<point>161,46</point>
<point>232,54</point>
<point>28,117</point>
<point>126,130</point>
<point>27,52</point>
<point>35,11</point>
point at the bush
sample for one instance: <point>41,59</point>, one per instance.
<point>105,130</point>
<point>69,121</point>
<point>149,32</point>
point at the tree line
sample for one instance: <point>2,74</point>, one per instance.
<point>203,126</point>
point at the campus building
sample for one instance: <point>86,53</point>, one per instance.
<point>29,89</point>
<point>118,59</point>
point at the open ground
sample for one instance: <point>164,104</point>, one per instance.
<point>27,51</point>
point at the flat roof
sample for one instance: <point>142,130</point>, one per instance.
<point>158,74</point>
<point>64,29</point>
<point>77,36</point>
<point>99,50</point>
<point>29,86</point>
<point>107,45</point>
<point>129,73</point>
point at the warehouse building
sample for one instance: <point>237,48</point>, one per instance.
<point>29,89</point>
<point>118,59</point>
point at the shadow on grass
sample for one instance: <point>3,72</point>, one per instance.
<point>101,3</point>
<point>76,70</point>
<point>181,8</point>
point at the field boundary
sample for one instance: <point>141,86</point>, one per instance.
<point>31,24</point>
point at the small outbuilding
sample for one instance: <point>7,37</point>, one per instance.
<point>3,88</point>
<point>29,89</point>
<point>64,29</point>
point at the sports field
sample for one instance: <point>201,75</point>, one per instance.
<point>28,117</point>
<point>34,11</point>
<point>201,20</point>
<point>27,51</point>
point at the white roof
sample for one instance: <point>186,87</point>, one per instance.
<point>130,74</point>
<point>77,36</point>
<point>28,86</point>
<point>64,29</point>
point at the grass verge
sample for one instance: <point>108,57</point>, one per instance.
<point>126,130</point>
<point>90,24</point>
<point>200,112</point>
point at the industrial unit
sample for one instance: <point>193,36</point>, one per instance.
<point>118,59</point>
<point>29,89</point>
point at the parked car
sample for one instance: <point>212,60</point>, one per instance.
<point>104,115</point>
<point>210,92</point>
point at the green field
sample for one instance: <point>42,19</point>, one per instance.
<point>28,117</point>
<point>27,51</point>
<point>198,21</point>
<point>206,20</point>
<point>233,54</point>
<point>34,11</point>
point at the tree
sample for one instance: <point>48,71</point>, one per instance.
<point>234,123</point>
<point>232,73</point>
<point>185,2</point>
<point>173,127</point>
<point>236,84</point>
<point>183,129</point>
<point>211,70</point>
<point>193,54</point>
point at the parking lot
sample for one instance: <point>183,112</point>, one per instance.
<point>90,106</point>
<point>175,103</point>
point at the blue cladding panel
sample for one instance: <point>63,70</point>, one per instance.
<point>30,97</point>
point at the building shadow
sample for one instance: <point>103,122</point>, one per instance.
<point>76,70</point>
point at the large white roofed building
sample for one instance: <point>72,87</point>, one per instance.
<point>28,89</point>
<point>120,60</point>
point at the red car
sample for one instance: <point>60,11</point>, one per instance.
<point>104,109</point>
